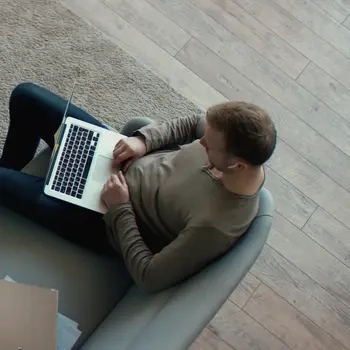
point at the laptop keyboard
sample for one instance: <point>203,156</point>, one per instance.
<point>75,162</point>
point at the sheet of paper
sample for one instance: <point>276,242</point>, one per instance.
<point>67,332</point>
<point>55,147</point>
<point>67,329</point>
<point>56,134</point>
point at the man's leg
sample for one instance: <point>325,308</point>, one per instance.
<point>23,194</point>
<point>35,113</point>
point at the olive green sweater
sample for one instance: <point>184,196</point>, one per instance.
<point>180,216</point>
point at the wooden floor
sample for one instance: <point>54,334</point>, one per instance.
<point>292,57</point>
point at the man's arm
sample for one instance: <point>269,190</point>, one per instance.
<point>178,131</point>
<point>193,249</point>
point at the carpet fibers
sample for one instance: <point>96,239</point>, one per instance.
<point>43,42</point>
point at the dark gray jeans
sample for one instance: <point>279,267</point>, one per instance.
<point>36,113</point>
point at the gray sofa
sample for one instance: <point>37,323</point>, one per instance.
<point>98,293</point>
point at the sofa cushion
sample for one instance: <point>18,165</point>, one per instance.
<point>89,285</point>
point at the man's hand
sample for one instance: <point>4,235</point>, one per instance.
<point>115,191</point>
<point>128,150</point>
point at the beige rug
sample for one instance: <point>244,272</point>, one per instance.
<point>41,41</point>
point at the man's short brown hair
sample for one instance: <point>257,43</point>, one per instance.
<point>249,131</point>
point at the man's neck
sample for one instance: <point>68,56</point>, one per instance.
<point>246,182</point>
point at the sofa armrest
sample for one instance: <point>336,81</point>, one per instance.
<point>174,318</point>
<point>194,304</point>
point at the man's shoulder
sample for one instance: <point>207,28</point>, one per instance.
<point>231,217</point>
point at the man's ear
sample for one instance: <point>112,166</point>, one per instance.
<point>238,164</point>
<point>243,164</point>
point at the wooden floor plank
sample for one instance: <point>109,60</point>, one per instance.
<point>234,86</point>
<point>152,23</point>
<point>288,324</point>
<point>338,9</point>
<point>304,294</point>
<point>241,331</point>
<point>331,234</point>
<point>327,89</point>
<point>312,182</point>
<point>207,340</point>
<point>289,202</point>
<point>257,36</point>
<point>244,290</point>
<point>311,258</point>
<point>146,51</point>
<point>300,37</point>
<point>256,68</point>
<point>320,22</point>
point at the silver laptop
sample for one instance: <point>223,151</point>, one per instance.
<point>81,163</point>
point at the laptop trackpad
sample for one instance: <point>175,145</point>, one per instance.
<point>103,169</point>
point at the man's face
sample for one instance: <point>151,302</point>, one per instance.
<point>214,143</point>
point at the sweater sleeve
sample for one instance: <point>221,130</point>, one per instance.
<point>178,131</point>
<point>192,250</point>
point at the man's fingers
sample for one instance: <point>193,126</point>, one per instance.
<point>119,148</point>
<point>104,188</point>
<point>108,184</point>
<point>114,179</point>
<point>122,157</point>
<point>121,178</point>
<point>127,164</point>
<point>119,143</point>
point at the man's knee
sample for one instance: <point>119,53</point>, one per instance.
<point>22,92</point>
<point>135,124</point>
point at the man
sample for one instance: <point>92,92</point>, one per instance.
<point>175,209</point>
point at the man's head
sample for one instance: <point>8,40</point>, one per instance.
<point>238,135</point>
